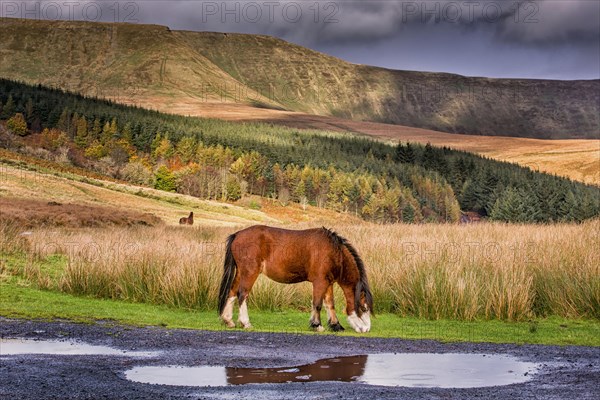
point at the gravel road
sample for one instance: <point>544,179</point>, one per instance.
<point>564,373</point>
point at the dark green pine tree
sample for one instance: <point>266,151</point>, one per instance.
<point>64,122</point>
<point>508,206</point>
<point>399,154</point>
<point>590,205</point>
<point>555,202</point>
<point>516,205</point>
<point>531,206</point>
<point>546,194</point>
<point>468,195</point>
<point>408,214</point>
<point>409,152</point>
<point>441,164</point>
<point>428,157</point>
<point>458,172</point>
<point>404,154</point>
<point>29,111</point>
<point>576,207</point>
<point>486,185</point>
<point>9,109</point>
<point>96,130</point>
<point>568,207</point>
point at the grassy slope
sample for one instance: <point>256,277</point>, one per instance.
<point>306,80</point>
<point>39,183</point>
<point>22,184</point>
<point>576,159</point>
<point>120,61</point>
<point>169,70</point>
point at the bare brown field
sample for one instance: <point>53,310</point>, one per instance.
<point>577,159</point>
<point>29,213</point>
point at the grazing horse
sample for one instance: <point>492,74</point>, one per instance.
<point>319,256</point>
<point>187,221</point>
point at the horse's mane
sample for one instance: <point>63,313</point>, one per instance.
<point>363,285</point>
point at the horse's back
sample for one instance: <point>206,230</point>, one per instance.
<point>286,256</point>
<point>278,237</point>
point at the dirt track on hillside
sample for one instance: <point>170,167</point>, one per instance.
<point>566,372</point>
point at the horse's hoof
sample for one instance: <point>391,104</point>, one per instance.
<point>316,327</point>
<point>246,326</point>
<point>336,327</point>
<point>229,324</point>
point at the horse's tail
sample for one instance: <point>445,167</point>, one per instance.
<point>229,270</point>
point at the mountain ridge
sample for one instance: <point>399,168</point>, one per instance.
<point>152,64</point>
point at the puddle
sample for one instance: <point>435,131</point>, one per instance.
<point>10,347</point>
<point>410,369</point>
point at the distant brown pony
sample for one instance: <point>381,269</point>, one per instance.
<point>187,221</point>
<point>319,256</point>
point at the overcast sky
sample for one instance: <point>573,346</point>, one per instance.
<point>553,39</point>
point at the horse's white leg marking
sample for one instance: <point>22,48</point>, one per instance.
<point>227,315</point>
<point>316,318</point>
<point>356,323</point>
<point>243,317</point>
<point>366,319</point>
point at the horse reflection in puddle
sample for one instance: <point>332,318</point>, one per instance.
<point>347,369</point>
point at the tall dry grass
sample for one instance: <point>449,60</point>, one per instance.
<point>487,271</point>
<point>509,272</point>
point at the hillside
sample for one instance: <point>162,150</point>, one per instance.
<point>577,159</point>
<point>32,195</point>
<point>175,71</point>
<point>218,160</point>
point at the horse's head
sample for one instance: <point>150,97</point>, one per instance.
<point>363,299</point>
<point>360,318</point>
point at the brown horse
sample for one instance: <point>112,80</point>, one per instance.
<point>319,256</point>
<point>187,221</point>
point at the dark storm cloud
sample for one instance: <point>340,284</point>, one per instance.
<point>531,22</point>
<point>547,22</point>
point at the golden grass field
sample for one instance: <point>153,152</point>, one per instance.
<point>463,272</point>
<point>481,271</point>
